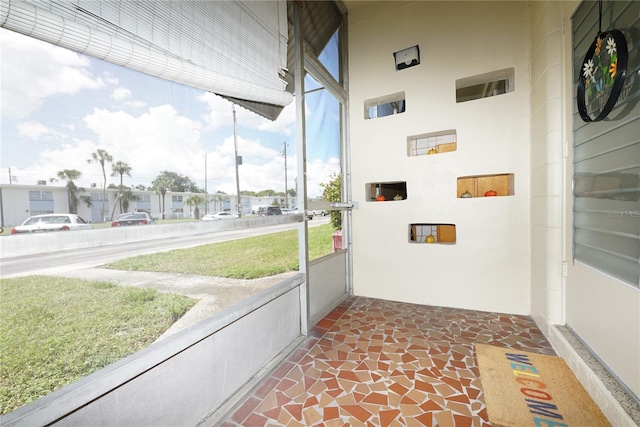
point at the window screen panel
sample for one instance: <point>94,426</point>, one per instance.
<point>607,155</point>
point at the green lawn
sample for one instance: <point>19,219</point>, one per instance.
<point>56,330</point>
<point>247,258</point>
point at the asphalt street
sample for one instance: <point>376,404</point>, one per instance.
<point>78,259</point>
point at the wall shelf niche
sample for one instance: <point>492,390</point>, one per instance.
<point>432,143</point>
<point>485,185</point>
<point>385,191</point>
<point>383,106</point>
<point>432,233</point>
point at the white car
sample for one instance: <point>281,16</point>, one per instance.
<point>218,216</point>
<point>295,210</point>
<point>52,222</point>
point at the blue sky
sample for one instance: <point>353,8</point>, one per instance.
<point>58,107</point>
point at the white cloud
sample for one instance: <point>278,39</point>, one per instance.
<point>124,94</point>
<point>33,70</point>
<point>110,78</point>
<point>32,130</point>
<point>157,140</point>
<point>120,94</point>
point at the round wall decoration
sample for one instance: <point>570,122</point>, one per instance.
<point>602,75</point>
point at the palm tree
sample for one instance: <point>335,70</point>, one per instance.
<point>160,185</point>
<point>121,168</point>
<point>101,156</point>
<point>127,197</point>
<point>72,189</point>
<point>196,201</point>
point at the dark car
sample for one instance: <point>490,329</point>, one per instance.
<point>269,210</point>
<point>136,218</point>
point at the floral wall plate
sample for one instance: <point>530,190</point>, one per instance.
<point>602,75</point>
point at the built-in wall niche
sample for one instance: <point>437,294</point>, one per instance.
<point>485,85</point>
<point>386,191</point>
<point>485,185</point>
<point>382,106</point>
<point>432,233</point>
<point>432,143</point>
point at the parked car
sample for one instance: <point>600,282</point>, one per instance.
<point>51,222</point>
<point>219,216</point>
<point>309,213</point>
<point>135,218</point>
<point>269,210</point>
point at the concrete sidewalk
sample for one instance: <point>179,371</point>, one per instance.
<point>214,294</point>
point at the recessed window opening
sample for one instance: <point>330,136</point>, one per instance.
<point>432,233</point>
<point>386,191</point>
<point>485,85</point>
<point>384,106</point>
<point>432,143</point>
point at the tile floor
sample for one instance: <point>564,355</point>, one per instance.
<point>382,363</point>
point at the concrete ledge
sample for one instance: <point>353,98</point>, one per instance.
<point>617,405</point>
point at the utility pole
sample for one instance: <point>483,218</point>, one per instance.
<point>286,193</point>
<point>10,181</point>
<point>235,145</point>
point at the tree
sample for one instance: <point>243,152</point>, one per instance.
<point>266,193</point>
<point>121,168</point>
<point>195,200</point>
<point>101,156</point>
<point>332,192</point>
<point>180,183</point>
<point>160,185</point>
<point>72,189</point>
<point>219,198</point>
<point>123,198</point>
<point>126,197</point>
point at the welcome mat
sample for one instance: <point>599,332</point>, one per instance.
<point>528,389</point>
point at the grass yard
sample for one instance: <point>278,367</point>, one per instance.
<point>247,258</point>
<point>54,331</point>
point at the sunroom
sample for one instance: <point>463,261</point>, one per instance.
<point>480,201</point>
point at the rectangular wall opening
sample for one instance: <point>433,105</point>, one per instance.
<point>432,143</point>
<point>432,233</point>
<point>485,185</point>
<point>383,106</point>
<point>385,191</point>
<point>485,85</point>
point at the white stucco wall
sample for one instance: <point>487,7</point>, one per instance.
<point>548,158</point>
<point>489,266</point>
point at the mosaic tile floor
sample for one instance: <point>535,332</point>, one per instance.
<point>381,363</point>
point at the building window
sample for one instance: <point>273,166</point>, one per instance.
<point>606,161</point>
